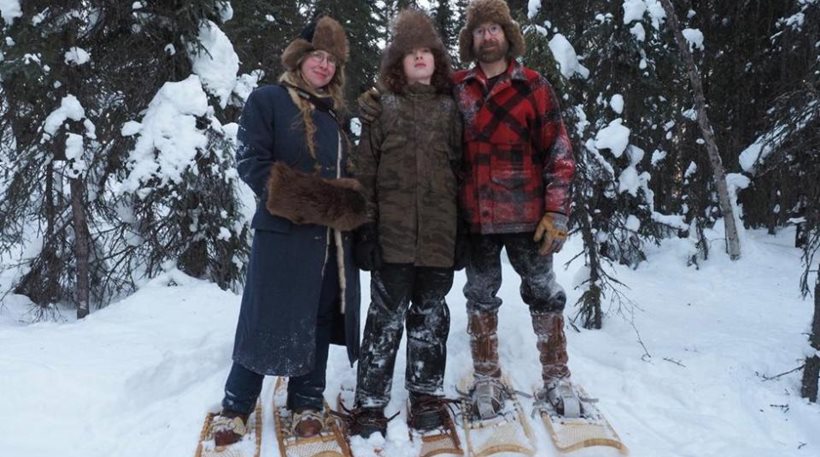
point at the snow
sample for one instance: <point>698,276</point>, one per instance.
<point>614,137</point>
<point>533,6</point>
<point>638,32</point>
<point>687,368</point>
<point>216,64</point>
<point>633,10</point>
<point>74,153</point>
<point>70,108</point>
<point>617,103</point>
<point>795,21</point>
<point>566,57</point>
<point>10,10</point>
<point>691,170</point>
<point>76,56</point>
<point>765,144</point>
<point>694,37</point>
<point>168,137</point>
<point>657,156</point>
<point>225,11</point>
<point>630,179</point>
<point>632,223</point>
<point>656,13</point>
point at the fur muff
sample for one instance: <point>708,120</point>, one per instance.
<point>412,29</point>
<point>306,199</point>
<point>325,35</point>
<point>481,11</point>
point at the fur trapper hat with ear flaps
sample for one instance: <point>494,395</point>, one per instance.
<point>412,29</point>
<point>326,34</point>
<point>481,11</point>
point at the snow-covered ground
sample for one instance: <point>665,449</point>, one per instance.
<point>680,372</point>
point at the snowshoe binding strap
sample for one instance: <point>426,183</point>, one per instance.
<point>488,396</point>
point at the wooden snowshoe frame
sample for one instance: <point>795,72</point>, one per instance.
<point>330,442</point>
<point>591,429</point>
<point>505,429</point>
<point>443,440</point>
<point>229,451</point>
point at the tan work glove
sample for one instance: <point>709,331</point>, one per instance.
<point>551,233</point>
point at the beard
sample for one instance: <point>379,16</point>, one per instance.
<point>492,51</point>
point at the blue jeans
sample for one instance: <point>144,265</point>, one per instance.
<point>306,391</point>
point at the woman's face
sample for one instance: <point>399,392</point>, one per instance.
<point>419,65</point>
<point>318,68</point>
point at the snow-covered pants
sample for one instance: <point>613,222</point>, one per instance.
<point>404,295</point>
<point>539,290</point>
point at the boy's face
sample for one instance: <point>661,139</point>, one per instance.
<point>419,65</point>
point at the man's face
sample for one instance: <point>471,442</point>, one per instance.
<point>489,42</point>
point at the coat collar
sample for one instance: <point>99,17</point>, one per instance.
<point>299,89</point>
<point>514,72</point>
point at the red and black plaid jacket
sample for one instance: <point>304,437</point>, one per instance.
<point>518,160</point>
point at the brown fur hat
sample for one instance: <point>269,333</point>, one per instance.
<point>326,34</point>
<point>481,11</point>
<point>306,199</point>
<point>412,29</point>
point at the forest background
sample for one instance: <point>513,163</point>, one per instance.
<point>118,123</point>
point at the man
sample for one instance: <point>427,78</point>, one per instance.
<point>517,167</point>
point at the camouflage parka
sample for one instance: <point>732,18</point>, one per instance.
<point>408,162</point>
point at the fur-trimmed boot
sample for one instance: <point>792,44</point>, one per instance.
<point>228,427</point>
<point>488,393</point>
<point>552,350</point>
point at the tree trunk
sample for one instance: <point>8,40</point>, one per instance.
<point>774,201</point>
<point>80,245</point>
<point>812,369</point>
<point>590,301</point>
<point>732,239</point>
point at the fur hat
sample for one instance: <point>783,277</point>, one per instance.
<point>307,199</point>
<point>412,29</point>
<point>481,11</point>
<point>326,34</point>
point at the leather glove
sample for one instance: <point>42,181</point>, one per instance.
<point>370,105</point>
<point>462,256</point>
<point>551,233</point>
<point>367,253</point>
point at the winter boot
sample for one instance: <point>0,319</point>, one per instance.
<point>488,392</point>
<point>363,421</point>
<point>551,343</point>
<point>427,412</point>
<point>552,349</point>
<point>228,427</point>
<point>482,327</point>
<point>307,422</point>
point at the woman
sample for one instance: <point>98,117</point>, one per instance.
<point>408,163</point>
<point>302,290</point>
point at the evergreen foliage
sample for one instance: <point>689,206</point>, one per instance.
<point>82,222</point>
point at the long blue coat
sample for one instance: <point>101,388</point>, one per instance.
<point>276,331</point>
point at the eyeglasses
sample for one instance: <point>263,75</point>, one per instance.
<point>493,30</point>
<point>322,56</point>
